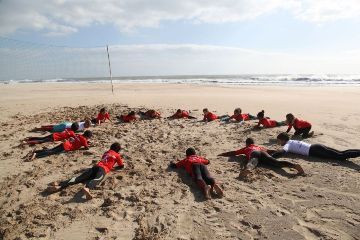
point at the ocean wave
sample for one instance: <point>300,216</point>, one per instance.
<point>296,80</point>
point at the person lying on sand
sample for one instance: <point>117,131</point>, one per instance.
<point>255,154</point>
<point>84,125</point>
<point>150,114</point>
<point>181,114</point>
<point>55,137</point>
<point>238,116</point>
<point>71,144</point>
<point>102,117</point>
<point>267,122</point>
<point>209,116</point>
<point>312,150</point>
<point>92,176</point>
<point>301,127</point>
<point>196,167</point>
<point>53,128</point>
<point>130,117</point>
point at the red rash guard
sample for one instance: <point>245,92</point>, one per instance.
<point>268,123</point>
<point>210,117</point>
<point>109,159</point>
<point>75,143</point>
<point>299,124</point>
<point>183,114</point>
<point>102,117</point>
<point>241,117</point>
<point>248,150</point>
<point>189,161</point>
<point>128,118</point>
<point>63,135</point>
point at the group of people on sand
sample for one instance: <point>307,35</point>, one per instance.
<point>194,165</point>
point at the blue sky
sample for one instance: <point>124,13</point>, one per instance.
<point>324,32</point>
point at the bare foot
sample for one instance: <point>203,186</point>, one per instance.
<point>244,173</point>
<point>207,192</point>
<point>32,156</point>
<point>87,194</point>
<point>218,190</point>
<point>53,189</point>
<point>299,169</point>
<point>56,183</point>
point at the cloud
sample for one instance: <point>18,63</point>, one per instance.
<point>46,62</point>
<point>59,17</point>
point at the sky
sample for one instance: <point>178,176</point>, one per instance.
<point>168,37</point>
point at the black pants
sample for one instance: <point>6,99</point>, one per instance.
<point>302,131</point>
<point>321,151</point>
<point>266,159</point>
<point>251,117</point>
<point>201,173</point>
<point>47,152</point>
<point>48,138</point>
<point>92,177</point>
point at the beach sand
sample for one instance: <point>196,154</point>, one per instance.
<point>146,200</point>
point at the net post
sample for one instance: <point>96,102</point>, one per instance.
<point>112,86</point>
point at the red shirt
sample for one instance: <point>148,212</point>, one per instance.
<point>75,143</point>
<point>109,159</point>
<point>241,117</point>
<point>210,116</point>
<point>128,118</point>
<point>268,123</point>
<point>189,161</point>
<point>182,114</point>
<point>63,135</point>
<point>102,117</point>
<point>248,150</point>
<point>299,124</point>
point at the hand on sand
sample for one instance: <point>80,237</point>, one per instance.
<point>207,193</point>
<point>218,191</point>
<point>300,170</point>
<point>244,173</point>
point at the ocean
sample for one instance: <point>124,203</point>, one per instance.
<point>246,79</point>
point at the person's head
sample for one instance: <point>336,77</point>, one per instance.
<point>178,111</point>
<point>237,111</point>
<point>283,138</point>
<point>75,126</point>
<point>261,114</point>
<point>205,110</point>
<point>190,152</point>
<point>103,110</point>
<point>87,123</point>
<point>249,141</point>
<point>290,118</point>
<point>132,113</point>
<point>87,134</point>
<point>115,147</point>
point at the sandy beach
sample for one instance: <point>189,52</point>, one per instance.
<point>147,200</point>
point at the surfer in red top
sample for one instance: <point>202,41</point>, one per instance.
<point>181,114</point>
<point>238,116</point>
<point>150,114</point>
<point>301,127</point>
<point>255,154</point>
<point>95,175</point>
<point>267,122</point>
<point>53,137</point>
<point>209,116</point>
<point>195,166</point>
<point>72,144</point>
<point>102,117</point>
<point>128,118</point>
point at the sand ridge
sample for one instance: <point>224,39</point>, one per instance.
<point>147,200</point>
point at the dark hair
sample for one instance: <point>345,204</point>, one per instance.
<point>75,126</point>
<point>261,114</point>
<point>103,110</point>
<point>132,113</point>
<point>87,134</point>
<point>190,152</point>
<point>87,123</point>
<point>115,147</point>
<point>290,116</point>
<point>238,110</point>
<point>205,110</point>
<point>249,141</point>
<point>178,111</point>
<point>283,136</point>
